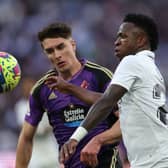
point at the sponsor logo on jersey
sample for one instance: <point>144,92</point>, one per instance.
<point>52,96</point>
<point>73,115</point>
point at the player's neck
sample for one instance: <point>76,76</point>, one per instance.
<point>67,75</point>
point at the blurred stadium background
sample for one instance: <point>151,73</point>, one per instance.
<point>94,24</point>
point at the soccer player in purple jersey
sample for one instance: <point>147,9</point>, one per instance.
<point>66,109</point>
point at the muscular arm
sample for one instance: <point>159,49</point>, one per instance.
<point>87,96</point>
<point>25,145</point>
<point>112,135</point>
<point>102,108</point>
<point>90,151</point>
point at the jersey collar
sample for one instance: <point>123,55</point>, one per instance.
<point>147,53</point>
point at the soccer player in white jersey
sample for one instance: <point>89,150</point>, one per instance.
<point>139,89</point>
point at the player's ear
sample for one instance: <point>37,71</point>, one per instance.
<point>142,40</point>
<point>73,42</point>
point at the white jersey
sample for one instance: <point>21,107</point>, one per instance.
<point>144,123</point>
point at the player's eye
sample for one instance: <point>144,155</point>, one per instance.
<point>61,46</point>
<point>124,36</point>
<point>121,36</point>
<point>49,50</point>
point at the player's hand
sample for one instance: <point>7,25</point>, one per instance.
<point>67,150</point>
<point>57,82</point>
<point>62,166</point>
<point>90,151</point>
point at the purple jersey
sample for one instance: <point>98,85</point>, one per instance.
<point>65,111</point>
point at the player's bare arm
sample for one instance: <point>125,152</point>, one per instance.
<point>57,82</point>
<point>102,108</point>
<point>90,151</point>
<point>25,144</point>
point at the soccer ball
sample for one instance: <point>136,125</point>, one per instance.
<point>10,72</point>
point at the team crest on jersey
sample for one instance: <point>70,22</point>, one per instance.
<point>52,96</point>
<point>84,84</point>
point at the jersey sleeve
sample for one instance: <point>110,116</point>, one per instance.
<point>104,77</point>
<point>127,72</point>
<point>36,100</point>
<point>35,111</point>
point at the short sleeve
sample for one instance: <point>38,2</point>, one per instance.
<point>104,78</point>
<point>126,73</point>
<point>35,113</point>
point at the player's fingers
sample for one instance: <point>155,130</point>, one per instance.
<point>84,157</point>
<point>51,82</point>
<point>52,85</point>
<point>61,156</point>
<point>89,159</point>
<point>62,166</point>
<point>64,153</point>
<point>93,161</point>
<point>67,150</point>
<point>72,148</point>
<point>51,79</point>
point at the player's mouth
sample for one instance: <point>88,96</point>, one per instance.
<point>116,52</point>
<point>61,64</point>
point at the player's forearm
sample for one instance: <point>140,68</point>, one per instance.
<point>85,95</point>
<point>23,154</point>
<point>110,136</point>
<point>102,108</point>
<point>99,111</point>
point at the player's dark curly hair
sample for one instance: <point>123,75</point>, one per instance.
<point>147,24</point>
<point>55,30</point>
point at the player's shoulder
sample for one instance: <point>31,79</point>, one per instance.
<point>98,69</point>
<point>138,57</point>
<point>130,61</point>
<point>37,86</point>
<point>129,58</point>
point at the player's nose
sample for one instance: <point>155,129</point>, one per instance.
<point>57,54</point>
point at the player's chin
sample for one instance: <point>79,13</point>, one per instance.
<point>119,55</point>
<point>62,68</point>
